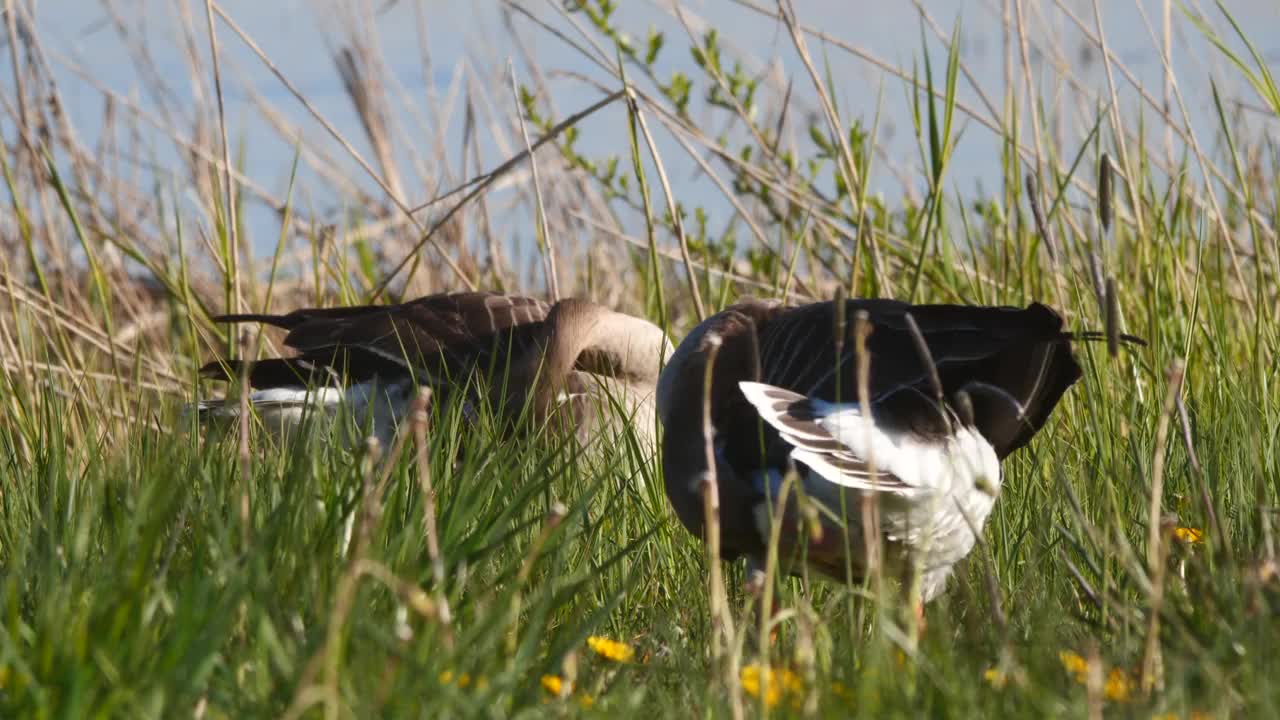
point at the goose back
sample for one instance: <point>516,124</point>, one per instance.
<point>1014,364</point>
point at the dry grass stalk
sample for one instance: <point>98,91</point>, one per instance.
<point>548,244</point>
<point>1157,532</point>
<point>870,505</point>
<point>244,418</point>
<point>723,638</point>
<point>418,421</point>
<point>699,307</point>
<point>229,202</point>
<point>847,166</point>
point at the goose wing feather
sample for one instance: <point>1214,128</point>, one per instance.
<point>838,442</point>
<point>441,335</point>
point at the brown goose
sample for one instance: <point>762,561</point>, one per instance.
<point>773,404</point>
<point>573,354</point>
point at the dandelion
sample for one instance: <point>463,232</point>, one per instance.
<point>1119,686</point>
<point>1074,664</point>
<point>1190,536</point>
<point>995,677</point>
<point>770,684</point>
<point>611,649</point>
<point>553,684</point>
<point>463,681</point>
<point>586,701</point>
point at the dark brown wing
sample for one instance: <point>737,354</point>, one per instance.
<point>1014,363</point>
<point>435,337</point>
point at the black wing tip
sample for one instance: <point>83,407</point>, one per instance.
<point>1081,335</point>
<point>231,318</point>
<point>1101,336</point>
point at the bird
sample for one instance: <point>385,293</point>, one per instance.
<point>952,391</point>
<point>520,353</point>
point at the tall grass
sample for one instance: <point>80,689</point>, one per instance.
<point>147,574</point>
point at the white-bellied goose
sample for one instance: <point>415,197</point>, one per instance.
<point>773,402</point>
<point>514,349</point>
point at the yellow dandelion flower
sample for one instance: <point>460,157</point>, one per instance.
<point>769,683</point>
<point>552,684</point>
<point>586,701</point>
<point>1074,663</point>
<point>995,677</point>
<point>1119,686</point>
<point>791,681</point>
<point>447,677</point>
<point>611,649</point>
<point>751,678</point>
<point>1190,536</point>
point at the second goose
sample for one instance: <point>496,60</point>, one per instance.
<point>784,393</point>
<point>574,355</point>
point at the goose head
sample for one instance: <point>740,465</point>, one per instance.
<point>588,357</point>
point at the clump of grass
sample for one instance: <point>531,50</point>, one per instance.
<point>154,569</point>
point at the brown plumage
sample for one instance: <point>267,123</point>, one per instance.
<point>514,349</point>
<point>1012,364</point>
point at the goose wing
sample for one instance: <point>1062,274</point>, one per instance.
<point>1015,363</point>
<point>460,325</point>
<point>839,443</point>
<point>441,334</point>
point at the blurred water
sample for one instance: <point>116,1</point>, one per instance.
<point>426,47</point>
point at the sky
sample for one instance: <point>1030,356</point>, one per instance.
<point>432,50</point>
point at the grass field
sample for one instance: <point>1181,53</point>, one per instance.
<point>151,569</point>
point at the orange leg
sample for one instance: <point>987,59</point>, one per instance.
<point>918,609</point>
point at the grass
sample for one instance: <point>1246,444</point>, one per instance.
<point>150,571</point>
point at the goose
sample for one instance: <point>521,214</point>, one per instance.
<point>780,399</point>
<point>574,354</point>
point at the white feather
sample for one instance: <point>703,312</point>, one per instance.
<point>946,488</point>
<point>919,466</point>
<point>283,410</point>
